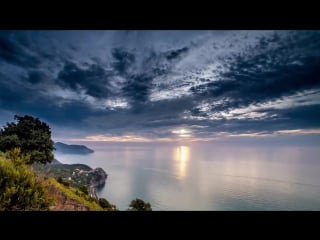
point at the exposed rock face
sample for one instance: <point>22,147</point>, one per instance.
<point>98,177</point>
<point>92,177</point>
<point>76,174</point>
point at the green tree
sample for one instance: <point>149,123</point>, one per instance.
<point>19,187</point>
<point>29,134</point>
<point>139,205</point>
<point>104,203</point>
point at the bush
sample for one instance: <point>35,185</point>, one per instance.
<point>65,183</point>
<point>139,205</point>
<point>104,203</point>
<point>84,189</point>
<point>19,188</point>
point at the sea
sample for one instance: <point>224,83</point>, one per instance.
<point>207,176</point>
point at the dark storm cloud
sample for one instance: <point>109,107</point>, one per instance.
<point>293,65</point>
<point>35,77</point>
<point>21,100</point>
<point>139,78</point>
<point>123,60</point>
<point>69,114</point>
<point>176,53</point>
<point>137,85</point>
<point>21,48</point>
<point>150,82</point>
<point>15,96</point>
<point>94,79</point>
<point>6,94</point>
<point>17,52</point>
<point>137,88</point>
<point>305,116</point>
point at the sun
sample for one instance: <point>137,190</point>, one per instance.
<point>182,132</point>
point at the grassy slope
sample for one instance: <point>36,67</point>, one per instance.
<point>73,195</point>
<point>77,196</point>
<point>64,171</point>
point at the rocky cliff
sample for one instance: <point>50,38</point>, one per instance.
<point>97,177</point>
<point>74,174</point>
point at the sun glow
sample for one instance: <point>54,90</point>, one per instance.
<point>182,132</point>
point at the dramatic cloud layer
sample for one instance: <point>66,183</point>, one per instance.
<point>163,85</point>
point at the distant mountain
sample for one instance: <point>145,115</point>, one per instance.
<point>56,162</point>
<point>72,149</point>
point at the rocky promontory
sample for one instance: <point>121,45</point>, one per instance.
<point>75,175</point>
<point>71,149</point>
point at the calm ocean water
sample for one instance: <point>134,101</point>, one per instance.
<point>208,177</point>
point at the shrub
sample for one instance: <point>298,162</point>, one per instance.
<point>65,183</point>
<point>84,189</point>
<point>19,188</point>
<point>139,205</point>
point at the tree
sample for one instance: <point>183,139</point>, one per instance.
<point>19,187</point>
<point>104,203</point>
<point>139,205</point>
<point>31,135</point>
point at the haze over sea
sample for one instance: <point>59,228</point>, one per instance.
<point>208,176</point>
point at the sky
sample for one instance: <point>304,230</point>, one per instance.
<point>163,86</point>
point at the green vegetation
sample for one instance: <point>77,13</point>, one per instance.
<point>104,203</point>
<point>84,189</point>
<point>25,183</point>
<point>139,205</point>
<point>78,196</point>
<point>65,183</point>
<point>75,175</point>
<point>29,134</point>
<point>20,189</point>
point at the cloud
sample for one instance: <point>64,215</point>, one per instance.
<point>94,79</point>
<point>171,55</point>
<point>123,60</point>
<point>265,73</point>
<point>35,77</point>
<point>20,49</point>
<point>137,88</point>
<point>299,131</point>
<point>154,84</point>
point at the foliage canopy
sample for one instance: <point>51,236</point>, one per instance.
<point>31,135</point>
<point>139,205</point>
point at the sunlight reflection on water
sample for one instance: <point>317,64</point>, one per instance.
<point>209,177</point>
<point>181,155</point>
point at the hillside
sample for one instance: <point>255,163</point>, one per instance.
<point>72,149</point>
<point>67,198</point>
<point>31,179</point>
<point>76,175</point>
